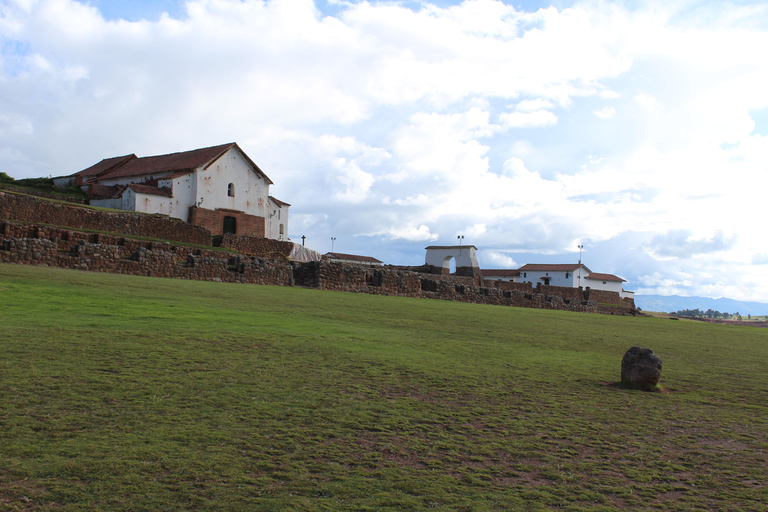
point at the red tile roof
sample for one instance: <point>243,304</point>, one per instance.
<point>504,272</point>
<point>104,166</point>
<point>604,277</point>
<point>351,257</point>
<point>556,267</point>
<point>146,189</point>
<point>278,202</point>
<point>172,164</point>
<point>97,191</point>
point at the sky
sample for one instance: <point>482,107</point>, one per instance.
<point>636,129</point>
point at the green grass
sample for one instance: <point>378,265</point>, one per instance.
<point>41,185</point>
<point>130,393</point>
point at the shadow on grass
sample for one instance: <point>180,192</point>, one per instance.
<point>622,385</point>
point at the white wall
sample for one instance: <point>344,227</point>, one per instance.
<point>149,203</point>
<point>491,277</point>
<point>184,192</point>
<point>129,200</point>
<point>277,215</point>
<point>611,286</point>
<point>627,295</point>
<point>64,181</point>
<point>251,190</point>
<point>439,256</point>
<point>556,277</point>
<point>115,203</point>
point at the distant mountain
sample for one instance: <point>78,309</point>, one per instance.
<point>671,303</point>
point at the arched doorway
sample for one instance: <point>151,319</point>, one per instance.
<point>449,264</point>
<point>458,259</point>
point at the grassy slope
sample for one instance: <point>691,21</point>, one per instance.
<point>121,392</point>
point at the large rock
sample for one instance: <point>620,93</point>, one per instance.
<point>641,368</point>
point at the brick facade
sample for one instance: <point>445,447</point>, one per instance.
<point>213,220</point>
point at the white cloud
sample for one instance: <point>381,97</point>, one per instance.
<point>537,118</point>
<point>412,125</point>
<point>412,233</point>
<point>605,113</point>
<point>495,259</point>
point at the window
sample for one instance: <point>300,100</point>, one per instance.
<point>567,275</point>
<point>231,190</point>
<point>282,230</point>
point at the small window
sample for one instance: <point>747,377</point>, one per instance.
<point>281,230</point>
<point>231,190</point>
<point>567,275</point>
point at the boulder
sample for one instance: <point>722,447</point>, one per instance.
<point>641,368</point>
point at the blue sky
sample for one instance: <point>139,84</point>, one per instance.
<point>638,129</point>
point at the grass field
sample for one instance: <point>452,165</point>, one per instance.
<point>130,393</point>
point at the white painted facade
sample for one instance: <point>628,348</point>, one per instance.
<point>440,256</point>
<point>230,182</point>
<point>570,278</point>
<point>603,284</point>
<point>183,194</point>
<point>508,275</point>
<point>147,203</point>
<point>277,220</point>
<point>249,190</point>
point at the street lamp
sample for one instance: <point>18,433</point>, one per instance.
<point>580,248</point>
<point>333,239</point>
<point>460,237</point>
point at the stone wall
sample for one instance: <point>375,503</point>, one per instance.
<point>28,209</point>
<point>42,245</point>
<point>400,282</point>
<point>152,261</point>
<point>605,297</point>
<point>254,246</point>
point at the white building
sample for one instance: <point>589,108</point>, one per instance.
<point>501,274</point>
<point>570,275</point>
<point>219,188</point>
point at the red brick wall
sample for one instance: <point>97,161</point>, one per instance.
<point>213,220</point>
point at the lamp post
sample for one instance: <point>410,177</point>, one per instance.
<point>333,239</point>
<point>580,248</point>
<point>460,237</point>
